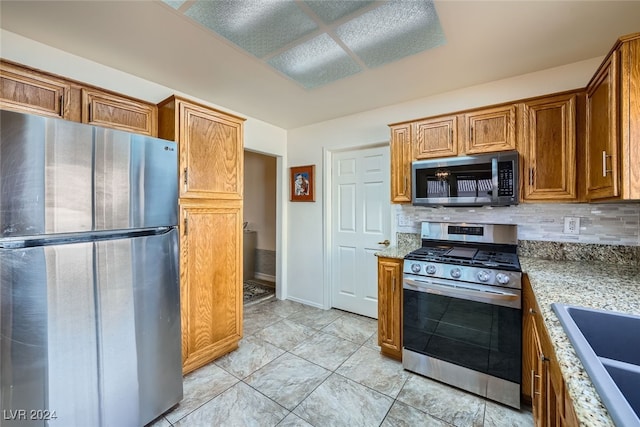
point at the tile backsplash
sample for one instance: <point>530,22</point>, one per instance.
<point>603,223</point>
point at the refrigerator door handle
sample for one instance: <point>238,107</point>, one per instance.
<point>62,239</point>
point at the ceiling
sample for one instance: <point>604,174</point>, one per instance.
<point>484,41</point>
<point>316,42</point>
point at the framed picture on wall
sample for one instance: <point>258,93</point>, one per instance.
<point>303,184</point>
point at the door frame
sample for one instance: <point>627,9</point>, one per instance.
<point>327,157</point>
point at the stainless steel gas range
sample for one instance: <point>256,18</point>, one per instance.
<point>462,321</point>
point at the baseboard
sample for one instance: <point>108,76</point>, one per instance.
<point>305,302</point>
<point>262,276</point>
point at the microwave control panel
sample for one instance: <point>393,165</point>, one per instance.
<point>505,179</point>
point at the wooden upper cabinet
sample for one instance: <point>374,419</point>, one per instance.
<point>401,157</point>
<point>211,148</point>
<point>613,124</point>
<point>390,307</point>
<point>436,137</point>
<point>489,130</point>
<point>28,91</point>
<point>630,116</point>
<point>549,148</point>
<point>602,132</point>
<point>118,112</point>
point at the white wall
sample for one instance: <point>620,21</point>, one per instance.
<point>305,257</point>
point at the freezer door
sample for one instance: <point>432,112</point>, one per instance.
<point>136,183</point>
<point>48,345</point>
<point>45,175</point>
<point>58,176</point>
<point>138,328</point>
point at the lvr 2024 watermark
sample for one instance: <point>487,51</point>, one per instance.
<point>28,414</point>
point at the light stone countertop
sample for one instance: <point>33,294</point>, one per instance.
<point>397,252</point>
<point>590,284</point>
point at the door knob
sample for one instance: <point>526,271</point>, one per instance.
<point>386,242</point>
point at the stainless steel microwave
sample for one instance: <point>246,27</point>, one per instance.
<point>478,180</point>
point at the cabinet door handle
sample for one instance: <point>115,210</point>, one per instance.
<point>531,176</point>
<point>604,164</point>
<point>406,184</point>
<point>186,179</point>
<point>532,311</point>
<point>186,225</point>
<point>533,383</point>
<point>393,284</point>
<point>61,105</point>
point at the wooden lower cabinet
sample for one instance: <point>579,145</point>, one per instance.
<point>390,307</point>
<point>542,382</point>
<point>210,280</point>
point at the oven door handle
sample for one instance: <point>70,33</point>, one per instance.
<point>460,291</point>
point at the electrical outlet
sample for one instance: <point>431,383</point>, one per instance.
<point>571,225</point>
<point>404,220</point>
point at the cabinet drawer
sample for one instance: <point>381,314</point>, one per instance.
<point>489,130</point>
<point>108,110</point>
<point>26,91</point>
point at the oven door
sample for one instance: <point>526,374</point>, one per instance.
<point>474,326</point>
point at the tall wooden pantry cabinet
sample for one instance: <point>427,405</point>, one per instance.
<point>211,174</point>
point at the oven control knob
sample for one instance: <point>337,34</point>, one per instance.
<point>415,268</point>
<point>483,275</point>
<point>456,273</point>
<point>431,269</point>
<point>502,278</point>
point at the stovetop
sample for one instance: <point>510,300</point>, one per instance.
<point>475,256</point>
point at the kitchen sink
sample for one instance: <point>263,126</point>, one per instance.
<point>608,344</point>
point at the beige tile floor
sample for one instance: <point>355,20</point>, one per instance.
<point>302,366</point>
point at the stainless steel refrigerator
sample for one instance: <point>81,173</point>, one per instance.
<point>90,310</point>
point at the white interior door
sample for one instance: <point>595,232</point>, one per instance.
<point>360,220</point>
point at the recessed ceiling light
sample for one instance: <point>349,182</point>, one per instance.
<point>330,11</point>
<point>308,41</point>
<point>260,27</point>
<point>315,62</point>
<point>392,31</point>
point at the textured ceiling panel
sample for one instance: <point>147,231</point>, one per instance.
<point>316,62</point>
<point>174,3</point>
<point>392,31</point>
<point>287,34</point>
<point>330,11</point>
<point>258,26</point>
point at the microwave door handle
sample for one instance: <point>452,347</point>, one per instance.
<point>457,291</point>
<point>494,181</point>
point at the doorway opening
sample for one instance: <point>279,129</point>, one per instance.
<point>259,250</point>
